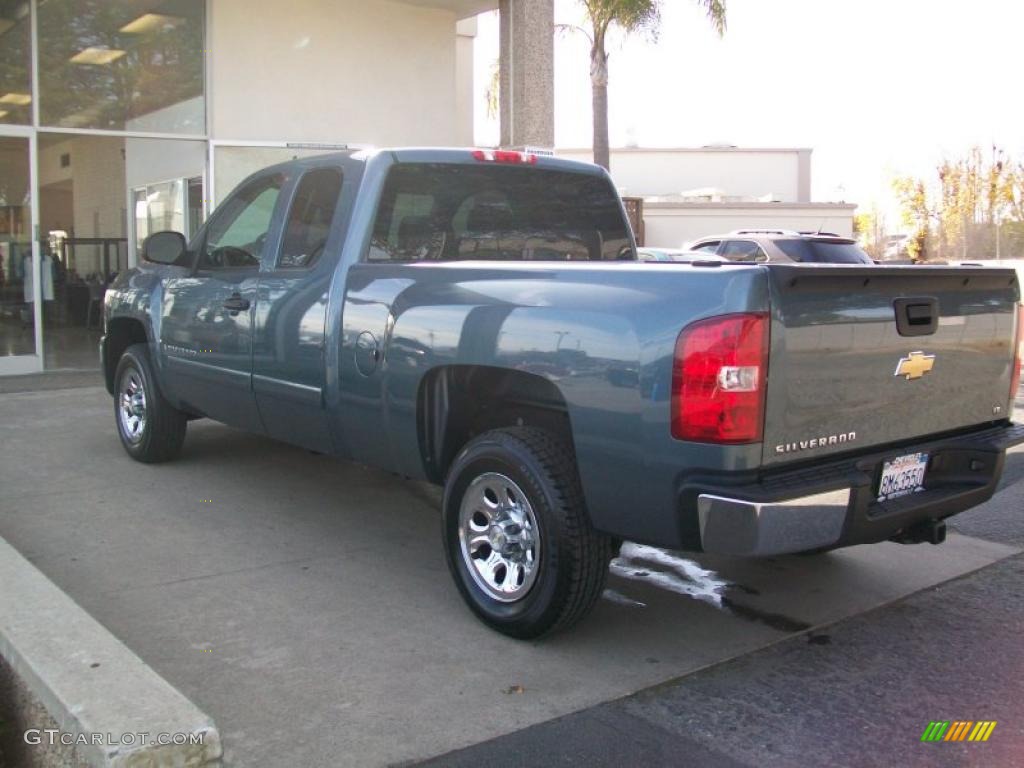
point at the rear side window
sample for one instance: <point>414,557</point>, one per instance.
<point>309,220</point>
<point>435,212</point>
<point>823,251</point>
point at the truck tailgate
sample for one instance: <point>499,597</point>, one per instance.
<point>862,356</point>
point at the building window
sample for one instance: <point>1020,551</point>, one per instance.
<point>170,205</point>
<point>15,63</point>
<point>113,65</point>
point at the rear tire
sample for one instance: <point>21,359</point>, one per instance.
<point>517,537</point>
<point>150,428</point>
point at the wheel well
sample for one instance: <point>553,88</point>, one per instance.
<point>121,333</point>
<point>458,402</point>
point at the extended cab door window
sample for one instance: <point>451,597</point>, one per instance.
<point>238,232</point>
<point>309,220</point>
<point>291,310</point>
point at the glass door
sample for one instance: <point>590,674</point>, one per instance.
<point>24,287</point>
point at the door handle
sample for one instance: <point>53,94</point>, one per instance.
<point>917,316</point>
<point>236,303</point>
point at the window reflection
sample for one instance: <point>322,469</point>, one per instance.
<point>122,65</point>
<point>15,63</point>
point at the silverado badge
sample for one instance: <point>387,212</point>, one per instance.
<point>915,365</point>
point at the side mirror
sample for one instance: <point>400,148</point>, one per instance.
<point>164,247</point>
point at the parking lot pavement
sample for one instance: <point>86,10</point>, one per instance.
<point>304,603</point>
<point>858,693</point>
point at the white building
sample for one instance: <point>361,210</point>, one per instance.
<point>693,192</point>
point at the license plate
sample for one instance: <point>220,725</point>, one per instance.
<point>902,476</point>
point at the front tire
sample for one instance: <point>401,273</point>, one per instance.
<point>150,428</point>
<point>517,537</point>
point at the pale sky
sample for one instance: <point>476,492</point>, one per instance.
<point>875,88</point>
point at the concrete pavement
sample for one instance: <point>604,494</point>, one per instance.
<point>304,604</point>
<point>858,693</point>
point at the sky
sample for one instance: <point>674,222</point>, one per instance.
<point>876,88</point>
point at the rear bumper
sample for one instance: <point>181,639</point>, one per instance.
<point>834,504</point>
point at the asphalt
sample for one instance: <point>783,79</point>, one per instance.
<point>303,602</point>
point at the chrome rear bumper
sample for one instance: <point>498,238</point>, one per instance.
<point>736,527</point>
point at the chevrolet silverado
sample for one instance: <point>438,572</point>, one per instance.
<point>477,319</point>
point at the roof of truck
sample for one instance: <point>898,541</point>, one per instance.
<point>439,155</point>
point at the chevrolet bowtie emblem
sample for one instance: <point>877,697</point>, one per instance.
<point>915,365</point>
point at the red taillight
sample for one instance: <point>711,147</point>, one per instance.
<point>1018,354</point>
<point>504,156</point>
<point>718,379</point>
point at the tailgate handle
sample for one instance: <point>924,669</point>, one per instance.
<point>917,317</point>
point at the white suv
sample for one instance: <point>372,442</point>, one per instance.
<point>781,245</point>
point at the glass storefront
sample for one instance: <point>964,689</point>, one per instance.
<point>15,63</point>
<point>17,271</point>
<point>122,65</point>
<point>99,197</point>
<point>105,146</point>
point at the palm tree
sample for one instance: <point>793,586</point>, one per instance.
<point>630,16</point>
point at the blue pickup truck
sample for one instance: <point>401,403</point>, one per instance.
<point>477,319</point>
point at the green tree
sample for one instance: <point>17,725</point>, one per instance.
<point>869,229</point>
<point>973,208</point>
<point>916,212</point>
<point>628,16</point>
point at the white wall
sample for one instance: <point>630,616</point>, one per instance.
<point>669,225</point>
<point>342,71</point>
<point>50,170</point>
<point>465,37</point>
<point>749,173</point>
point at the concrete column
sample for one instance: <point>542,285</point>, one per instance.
<point>527,73</point>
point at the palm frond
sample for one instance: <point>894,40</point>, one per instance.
<point>715,10</point>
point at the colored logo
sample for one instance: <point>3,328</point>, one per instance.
<point>958,730</point>
<point>915,365</point>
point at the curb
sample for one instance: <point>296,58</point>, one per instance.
<point>100,695</point>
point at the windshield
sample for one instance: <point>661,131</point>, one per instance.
<point>824,251</point>
<point>433,211</point>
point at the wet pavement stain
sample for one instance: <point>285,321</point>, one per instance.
<point>773,620</point>
<point>614,596</point>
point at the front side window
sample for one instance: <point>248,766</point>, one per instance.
<point>743,250</point>
<point>237,235</point>
<point>434,212</point>
<point>309,220</point>
<point>708,247</point>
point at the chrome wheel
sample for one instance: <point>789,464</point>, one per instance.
<point>132,405</point>
<point>499,537</point>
